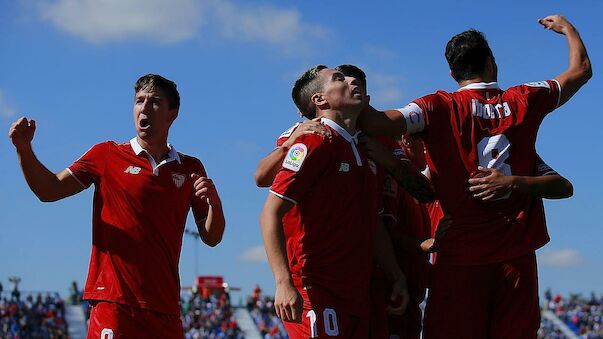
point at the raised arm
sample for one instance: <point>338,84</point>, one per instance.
<point>579,69</point>
<point>270,164</point>
<point>211,228</point>
<point>288,303</point>
<point>46,185</point>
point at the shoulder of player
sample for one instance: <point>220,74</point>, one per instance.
<point>187,159</point>
<point>287,133</point>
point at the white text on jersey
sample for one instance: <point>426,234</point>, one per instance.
<point>489,111</point>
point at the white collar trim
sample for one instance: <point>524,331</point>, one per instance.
<point>347,136</point>
<point>352,139</point>
<point>172,155</point>
<point>480,85</point>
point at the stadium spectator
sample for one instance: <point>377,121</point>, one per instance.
<point>144,190</point>
<point>584,316</point>
<point>263,313</point>
<point>491,243</point>
<point>42,317</point>
<point>209,317</point>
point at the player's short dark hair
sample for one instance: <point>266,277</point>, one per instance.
<point>354,72</point>
<point>467,54</point>
<point>305,87</point>
<point>150,81</point>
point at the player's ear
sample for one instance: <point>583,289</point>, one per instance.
<point>173,114</point>
<point>453,77</point>
<point>318,99</point>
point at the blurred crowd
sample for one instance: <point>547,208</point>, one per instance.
<point>263,314</point>
<point>209,316</point>
<point>583,315</point>
<point>32,317</point>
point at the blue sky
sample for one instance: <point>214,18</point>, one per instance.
<point>71,65</point>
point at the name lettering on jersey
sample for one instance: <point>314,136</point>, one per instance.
<point>489,111</point>
<point>344,167</point>
<point>295,157</point>
<point>132,170</point>
<point>178,179</point>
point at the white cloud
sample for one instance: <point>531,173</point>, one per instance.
<point>384,88</point>
<point>265,23</point>
<point>254,254</point>
<point>113,20</point>
<point>566,257</point>
<point>101,21</point>
<point>6,109</point>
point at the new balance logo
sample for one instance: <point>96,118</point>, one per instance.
<point>344,167</point>
<point>132,170</point>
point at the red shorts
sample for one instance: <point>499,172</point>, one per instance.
<point>484,301</point>
<point>117,321</point>
<point>326,318</point>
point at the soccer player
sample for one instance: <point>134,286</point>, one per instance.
<point>486,265</point>
<point>319,220</point>
<point>144,189</point>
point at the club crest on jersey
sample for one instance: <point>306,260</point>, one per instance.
<point>295,157</point>
<point>178,179</point>
<point>538,84</point>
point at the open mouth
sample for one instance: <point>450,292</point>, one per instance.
<point>356,92</point>
<point>144,123</point>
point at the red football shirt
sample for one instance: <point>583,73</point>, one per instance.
<point>139,214</point>
<point>480,124</point>
<point>330,233</point>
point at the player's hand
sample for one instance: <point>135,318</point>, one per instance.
<point>21,132</point>
<point>288,303</point>
<point>308,127</point>
<point>431,245</point>
<point>491,184</point>
<point>205,189</point>
<point>399,297</point>
<point>556,23</point>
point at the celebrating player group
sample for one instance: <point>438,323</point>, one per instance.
<point>367,209</point>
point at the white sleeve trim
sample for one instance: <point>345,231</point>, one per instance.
<point>283,197</point>
<point>75,177</point>
<point>559,97</point>
<point>414,117</point>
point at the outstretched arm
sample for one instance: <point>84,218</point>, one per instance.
<point>374,122</point>
<point>270,164</point>
<point>288,303</point>
<point>211,229</point>
<point>579,69</point>
<point>46,185</point>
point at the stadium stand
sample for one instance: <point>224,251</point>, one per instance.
<point>209,315</point>
<point>42,316</point>
<point>584,316</point>
<point>264,316</point>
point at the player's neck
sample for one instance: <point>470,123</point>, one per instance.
<point>345,120</point>
<point>157,149</point>
<point>482,78</point>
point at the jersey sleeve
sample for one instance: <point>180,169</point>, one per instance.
<point>542,169</point>
<point>286,134</point>
<point>89,167</point>
<point>419,113</point>
<point>540,96</point>
<point>306,160</point>
<point>199,206</point>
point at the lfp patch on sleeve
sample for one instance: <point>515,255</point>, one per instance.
<point>295,157</point>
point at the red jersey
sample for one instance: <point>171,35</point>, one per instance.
<point>330,233</point>
<point>139,214</point>
<point>482,125</point>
